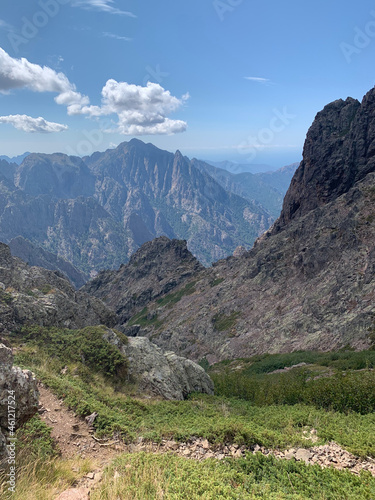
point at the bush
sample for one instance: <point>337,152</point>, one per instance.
<point>86,346</point>
<point>343,392</point>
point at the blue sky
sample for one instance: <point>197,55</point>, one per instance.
<point>229,79</point>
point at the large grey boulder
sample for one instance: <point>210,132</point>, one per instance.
<point>23,383</point>
<point>159,373</point>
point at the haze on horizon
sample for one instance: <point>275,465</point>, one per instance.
<point>224,79</point>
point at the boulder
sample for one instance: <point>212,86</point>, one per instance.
<point>23,383</point>
<point>163,374</point>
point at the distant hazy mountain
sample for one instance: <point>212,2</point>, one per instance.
<point>279,179</point>
<point>154,192</point>
<point>95,212</point>
<point>267,189</point>
<point>238,168</point>
<point>15,159</point>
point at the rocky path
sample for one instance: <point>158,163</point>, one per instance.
<point>75,437</point>
<point>329,455</point>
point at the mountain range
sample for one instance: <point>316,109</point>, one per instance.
<point>308,282</point>
<point>95,212</point>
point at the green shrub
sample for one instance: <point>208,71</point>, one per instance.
<point>142,476</point>
<point>34,438</point>
<point>86,346</point>
<point>344,392</point>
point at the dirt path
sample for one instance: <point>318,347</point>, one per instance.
<point>75,437</point>
<point>72,433</point>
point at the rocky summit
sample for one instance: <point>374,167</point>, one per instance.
<point>308,283</point>
<point>155,270</point>
<point>97,211</point>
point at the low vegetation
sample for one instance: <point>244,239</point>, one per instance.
<point>224,322</point>
<point>144,476</point>
<point>41,472</point>
<point>341,381</point>
<point>172,298</point>
<point>86,347</point>
<point>244,411</point>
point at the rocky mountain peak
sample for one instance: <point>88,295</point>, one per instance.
<point>339,150</point>
<point>159,250</point>
<point>57,175</point>
<point>153,271</point>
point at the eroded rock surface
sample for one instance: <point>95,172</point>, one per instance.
<point>33,295</point>
<point>162,374</point>
<point>25,395</point>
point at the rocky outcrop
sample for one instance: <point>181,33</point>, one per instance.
<point>154,271</point>
<point>37,256</point>
<point>162,374</point>
<point>339,151</point>
<point>33,295</point>
<point>24,399</point>
<point>239,251</point>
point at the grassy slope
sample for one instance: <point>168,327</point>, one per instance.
<point>218,418</point>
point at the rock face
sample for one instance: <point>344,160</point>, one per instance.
<point>36,256</point>
<point>339,151</point>
<point>162,374</point>
<point>33,295</point>
<point>309,282</point>
<point>25,395</point>
<point>154,270</point>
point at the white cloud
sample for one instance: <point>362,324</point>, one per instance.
<point>28,124</point>
<point>20,73</point>
<point>140,110</point>
<point>117,37</point>
<point>257,79</point>
<point>101,5</point>
<point>71,98</point>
